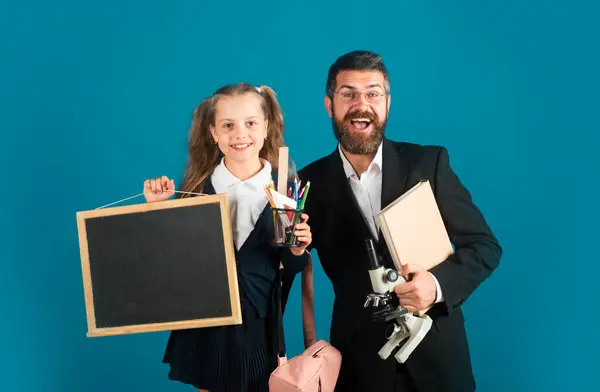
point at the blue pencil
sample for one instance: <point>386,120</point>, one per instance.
<point>296,190</point>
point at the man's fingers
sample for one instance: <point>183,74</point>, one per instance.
<point>409,308</point>
<point>404,288</point>
<point>410,296</point>
<point>411,269</point>
<point>409,303</point>
<point>415,299</point>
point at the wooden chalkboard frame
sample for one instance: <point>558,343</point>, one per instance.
<point>236,316</point>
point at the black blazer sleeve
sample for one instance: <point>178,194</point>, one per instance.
<point>477,251</point>
<point>292,263</point>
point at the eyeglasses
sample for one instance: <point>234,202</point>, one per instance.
<point>370,96</point>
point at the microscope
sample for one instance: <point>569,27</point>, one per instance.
<point>405,326</point>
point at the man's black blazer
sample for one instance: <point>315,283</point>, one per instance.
<point>442,361</point>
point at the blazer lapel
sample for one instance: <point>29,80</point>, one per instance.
<point>342,196</point>
<point>262,227</point>
<point>395,173</point>
<point>209,189</point>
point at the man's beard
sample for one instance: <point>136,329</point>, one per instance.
<point>356,142</point>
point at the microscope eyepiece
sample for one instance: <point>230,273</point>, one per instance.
<point>372,254</point>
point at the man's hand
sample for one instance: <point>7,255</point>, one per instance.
<point>420,292</point>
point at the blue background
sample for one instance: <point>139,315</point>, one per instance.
<point>96,96</point>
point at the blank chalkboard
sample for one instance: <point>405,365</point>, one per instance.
<point>159,266</point>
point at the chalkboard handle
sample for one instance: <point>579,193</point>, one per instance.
<point>142,194</point>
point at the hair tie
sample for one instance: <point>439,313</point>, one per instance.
<point>259,90</point>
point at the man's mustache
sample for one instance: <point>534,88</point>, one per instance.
<point>361,114</point>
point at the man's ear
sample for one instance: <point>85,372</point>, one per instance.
<point>328,104</point>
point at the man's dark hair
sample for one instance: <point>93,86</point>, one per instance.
<point>358,60</point>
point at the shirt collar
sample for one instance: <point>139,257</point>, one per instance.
<point>377,162</point>
<point>223,179</point>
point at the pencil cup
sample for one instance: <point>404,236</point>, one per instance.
<point>284,223</point>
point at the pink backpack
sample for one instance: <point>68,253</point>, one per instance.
<point>318,367</point>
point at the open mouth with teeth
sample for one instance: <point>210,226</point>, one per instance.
<point>240,146</point>
<point>360,124</point>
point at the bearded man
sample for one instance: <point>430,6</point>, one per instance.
<point>348,188</point>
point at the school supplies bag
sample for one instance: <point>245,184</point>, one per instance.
<point>318,367</point>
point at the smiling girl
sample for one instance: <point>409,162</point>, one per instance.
<point>234,142</point>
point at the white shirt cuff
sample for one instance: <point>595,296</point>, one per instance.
<point>439,297</point>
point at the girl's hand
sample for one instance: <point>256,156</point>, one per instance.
<point>159,189</point>
<point>303,234</point>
